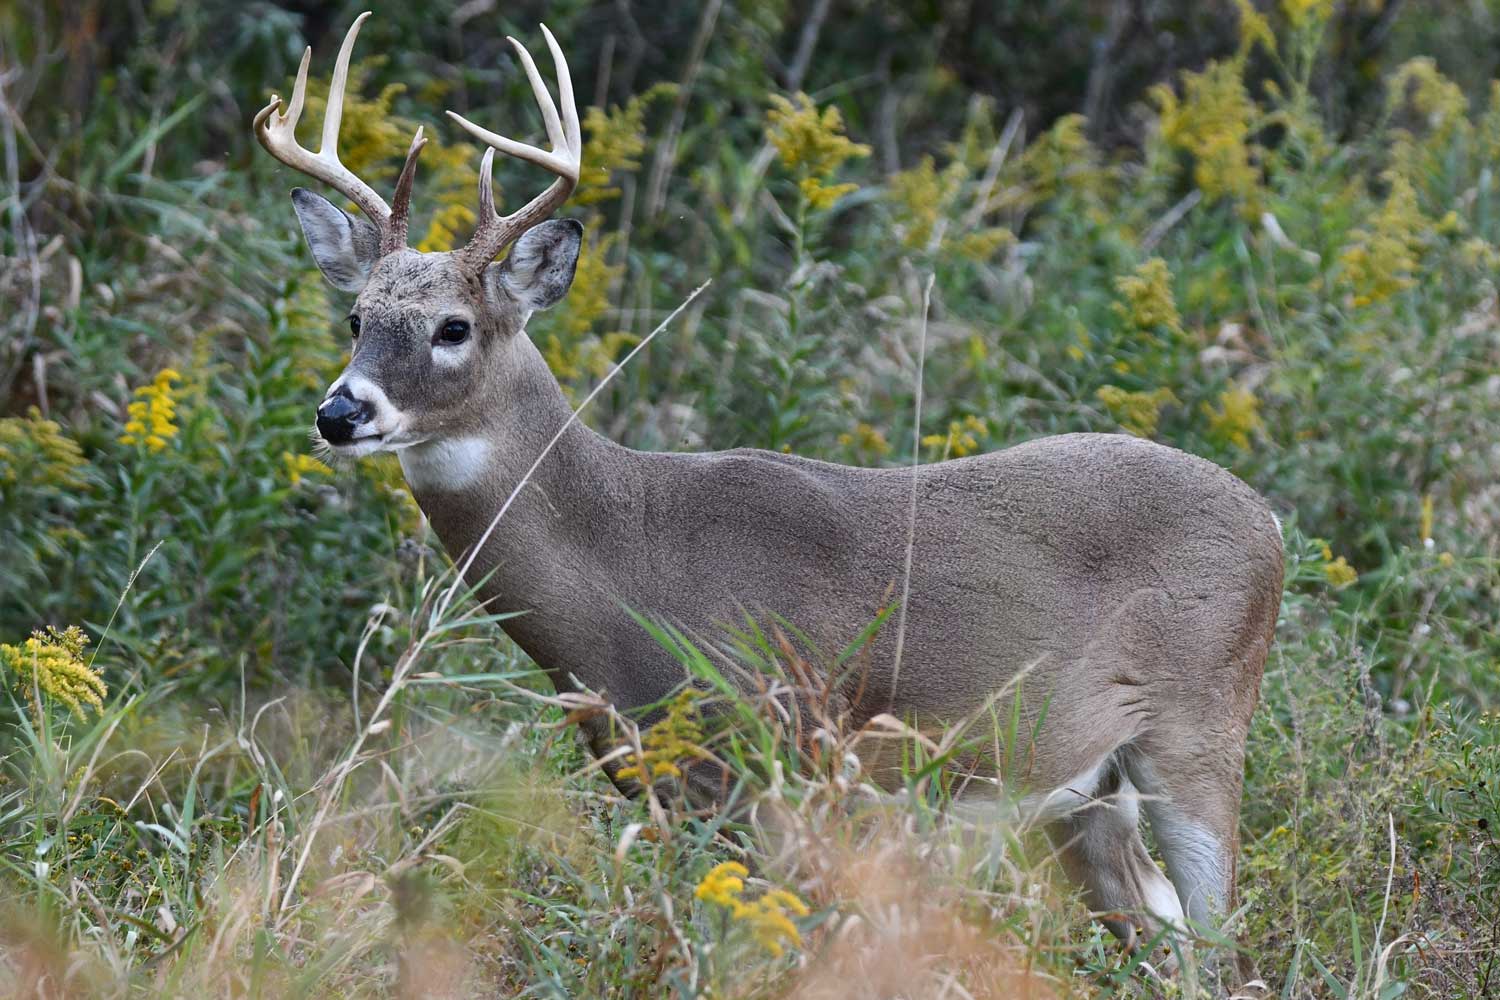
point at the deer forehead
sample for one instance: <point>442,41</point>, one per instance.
<point>427,281</point>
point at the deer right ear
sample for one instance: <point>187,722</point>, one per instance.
<point>345,247</point>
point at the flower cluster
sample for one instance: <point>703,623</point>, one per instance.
<point>35,452</point>
<point>300,466</point>
<point>768,916</point>
<point>812,144</point>
<point>617,138</point>
<point>1062,158</point>
<point>1236,418</point>
<point>674,739</point>
<point>1137,413</point>
<point>1337,571</point>
<point>51,662</point>
<point>867,439</point>
<point>922,196</point>
<point>153,415</point>
<point>1212,122</point>
<point>1148,303</point>
<point>962,439</point>
<point>1383,257</point>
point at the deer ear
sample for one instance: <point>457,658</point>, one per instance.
<point>539,269</point>
<point>344,247</point>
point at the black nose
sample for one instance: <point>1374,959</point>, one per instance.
<point>340,415</point>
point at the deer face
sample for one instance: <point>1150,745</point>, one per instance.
<point>433,332</point>
<point>432,337</point>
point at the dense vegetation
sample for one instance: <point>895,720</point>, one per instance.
<point>250,747</point>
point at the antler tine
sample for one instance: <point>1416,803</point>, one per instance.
<point>394,237</point>
<point>277,132</point>
<point>564,159</point>
<point>571,132</point>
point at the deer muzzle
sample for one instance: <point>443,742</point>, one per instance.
<point>340,416</point>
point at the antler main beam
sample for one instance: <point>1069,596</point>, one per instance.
<point>564,159</point>
<point>277,132</point>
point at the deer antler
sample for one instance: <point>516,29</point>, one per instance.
<point>564,159</point>
<point>277,132</point>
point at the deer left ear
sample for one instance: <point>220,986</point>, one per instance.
<point>539,270</point>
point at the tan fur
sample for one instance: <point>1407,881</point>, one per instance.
<point>1136,586</point>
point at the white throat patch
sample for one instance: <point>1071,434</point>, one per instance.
<point>446,465</point>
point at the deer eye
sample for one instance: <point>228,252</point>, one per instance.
<point>455,331</point>
<point>354,325</point>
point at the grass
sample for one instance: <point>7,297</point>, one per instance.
<point>314,774</point>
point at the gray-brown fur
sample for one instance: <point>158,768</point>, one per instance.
<point>1137,585</point>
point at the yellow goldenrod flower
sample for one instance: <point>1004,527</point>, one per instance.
<point>812,144</point>
<point>1339,573</point>
<point>153,414</point>
<point>51,662</point>
<point>809,139</point>
<point>1236,417</point>
<point>1137,413</point>
<point>1425,531</point>
<point>962,439</point>
<point>921,197</point>
<point>1382,260</point>
<point>1254,28</point>
<point>36,452</point>
<point>867,439</point>
<point>616,139</point>
<point>676,738</point>
<point>1213,122</point>
<point>298,466</point>
<point>1062,159</point>
<point>769,916</point>
<point>1148,300</point>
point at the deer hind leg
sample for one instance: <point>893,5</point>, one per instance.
<point>1193,806</point>
<point>1101,849</point>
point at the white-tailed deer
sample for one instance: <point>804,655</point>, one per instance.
<point>1136,584</point>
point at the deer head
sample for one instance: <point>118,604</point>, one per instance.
<point>433,332</point>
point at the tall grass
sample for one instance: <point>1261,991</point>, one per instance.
<point>321,770</point>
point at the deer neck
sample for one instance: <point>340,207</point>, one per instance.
<point>546,548</point>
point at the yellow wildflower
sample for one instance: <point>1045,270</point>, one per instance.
<point>616,139</point>
<point>1254,28</point>
<point>298,466</point>
<point>812,144</point>
<point>1425,531</point>
<point>1148,301</point>
<point>36,452</point>
<point>676,738</point>
<point>962,439</point>
<point>867,439</point>
<point>1137,413</point>
<point>1383,257</point>
<point>153,414</point>
<point>723,883</point>
<point>769,916</point>
<point>1212,121</point>
<point>1339,573</point>
<point>1439,101</point>
<point>51,662</point>
<point>447,222</point>
<point>922,196</point>
<point>1062,159</point>
<point>808,139</point>
<point>1236,417</point>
